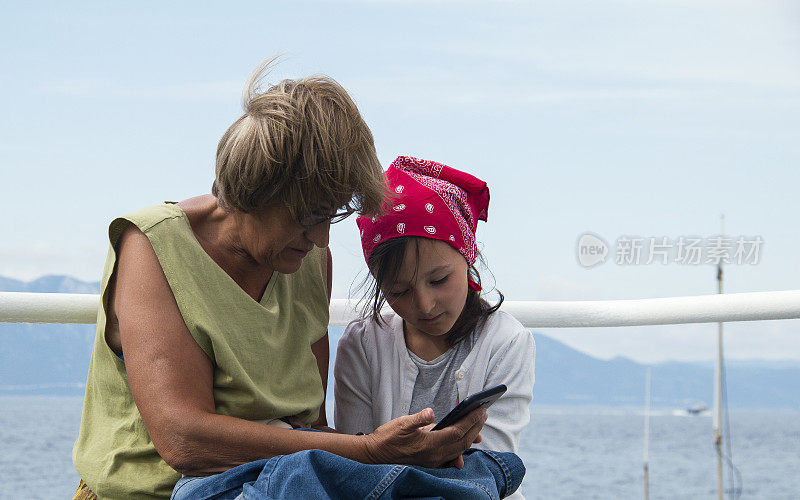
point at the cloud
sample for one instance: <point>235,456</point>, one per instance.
<point>606,63</point>
<point>429,94</point>
<point>111,89</point>
<point>25,263</point>
<point>428,88</point>
<point>578,52</point>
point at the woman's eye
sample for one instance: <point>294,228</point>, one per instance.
<point>440,281</point>
<point>397,294</point>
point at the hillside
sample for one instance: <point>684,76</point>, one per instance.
<point>53,359</point>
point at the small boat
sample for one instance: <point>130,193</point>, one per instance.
<point>697,409</point>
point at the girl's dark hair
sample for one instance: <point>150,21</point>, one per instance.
<point>384,265</point>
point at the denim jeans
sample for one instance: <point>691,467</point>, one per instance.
<point>312,474</point>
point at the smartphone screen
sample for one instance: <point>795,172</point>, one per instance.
<point>484,398</point>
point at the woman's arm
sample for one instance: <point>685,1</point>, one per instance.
<point>171,380</point>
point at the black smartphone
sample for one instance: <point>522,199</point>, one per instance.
<point>483,398</point>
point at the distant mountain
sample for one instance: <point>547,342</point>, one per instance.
<point>45,359</point>
<point>53,359</point>
<point>47,284</point>
<point>565,376</point>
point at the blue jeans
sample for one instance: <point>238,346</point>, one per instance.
<point>312,474</point>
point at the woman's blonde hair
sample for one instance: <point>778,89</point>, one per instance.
<point>301,143</point>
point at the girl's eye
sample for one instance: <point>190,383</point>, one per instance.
<point>397,294</point>
<point>440,281</point>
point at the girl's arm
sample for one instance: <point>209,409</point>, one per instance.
<point>171,380</point>
<point>352,383</point>
<point>512,365</point>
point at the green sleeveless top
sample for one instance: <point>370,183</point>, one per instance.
<point>261,352</point>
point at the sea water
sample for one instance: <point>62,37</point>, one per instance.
<point>568,452</point>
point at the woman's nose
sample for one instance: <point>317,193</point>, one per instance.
<point>319,234</point>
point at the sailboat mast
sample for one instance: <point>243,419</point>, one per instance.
<point>718,382</point>
<point>647,435</point>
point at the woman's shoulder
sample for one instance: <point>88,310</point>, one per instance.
<point>145,219</point>
<point>150,216</point>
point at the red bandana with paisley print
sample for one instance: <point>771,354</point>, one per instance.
<point>430,200</point>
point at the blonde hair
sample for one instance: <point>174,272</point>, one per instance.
<point>301,143</point>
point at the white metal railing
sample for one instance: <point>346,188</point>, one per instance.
<point>17,307</point>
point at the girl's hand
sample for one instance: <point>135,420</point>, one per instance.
<point>410,440</point>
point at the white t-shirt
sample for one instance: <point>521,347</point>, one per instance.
<point>374,377</point>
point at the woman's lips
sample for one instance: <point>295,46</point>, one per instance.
<point>300,253</point>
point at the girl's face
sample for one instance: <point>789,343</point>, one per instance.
<point>431,286</point>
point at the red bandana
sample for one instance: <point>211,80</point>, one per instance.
<point>431,200</point>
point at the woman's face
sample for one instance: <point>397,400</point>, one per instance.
<point>276,240</point>
<point>431,286</point>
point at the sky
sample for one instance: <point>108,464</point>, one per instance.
<point>628,120</point>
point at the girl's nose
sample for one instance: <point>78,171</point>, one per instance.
<point>424,301</point>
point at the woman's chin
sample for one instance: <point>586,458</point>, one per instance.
<point>289,269</point>
<point>288,266</point>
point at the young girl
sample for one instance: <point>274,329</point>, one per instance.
<point>444,342</point>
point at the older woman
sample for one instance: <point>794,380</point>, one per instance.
<point>214,310</point>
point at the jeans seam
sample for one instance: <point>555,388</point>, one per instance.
<point>386,481</point>
<point>183,484</point>
<point>272,469</point>
<point>503,467</point>
<point>479,485</point>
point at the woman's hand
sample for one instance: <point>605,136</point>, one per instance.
<point>410,440</point>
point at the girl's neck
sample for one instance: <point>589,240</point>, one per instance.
<point>427,347</point>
